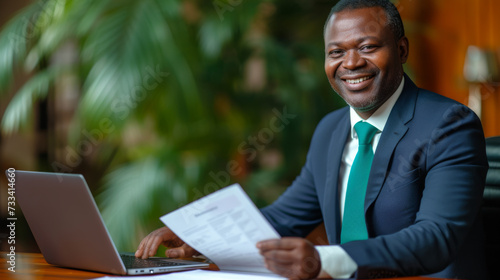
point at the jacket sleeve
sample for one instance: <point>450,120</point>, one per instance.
<point>299,209</point>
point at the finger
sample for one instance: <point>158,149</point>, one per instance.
<point>175,253</point>
<point>184,251</point>
<point>140,249</point>
<point>152,245</point>
<point>189,251</point>
<point>143,249</point>
<point>148,246</point>
<point>279,256</point>
<point>271,244</point>
<point>285,243</point>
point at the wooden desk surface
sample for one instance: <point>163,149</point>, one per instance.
<point>34,267</point>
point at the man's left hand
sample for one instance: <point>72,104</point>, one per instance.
<point>292,257</point>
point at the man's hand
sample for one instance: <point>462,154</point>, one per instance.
<point>292,257</point>
<point>164,236</point>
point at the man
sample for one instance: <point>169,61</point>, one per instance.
<point>421,197</point>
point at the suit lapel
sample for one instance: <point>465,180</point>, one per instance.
<point>331,199</point>
<point>395,128</point>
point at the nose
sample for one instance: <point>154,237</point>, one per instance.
<point>352,60</point>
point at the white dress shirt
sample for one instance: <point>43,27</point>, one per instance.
<point>334,260</point>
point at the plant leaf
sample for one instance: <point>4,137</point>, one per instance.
<point>14,39</point>
<point>20,108</point>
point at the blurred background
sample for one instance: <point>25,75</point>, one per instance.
<point>160,102</point>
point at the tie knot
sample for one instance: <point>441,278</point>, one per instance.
<point>365,132</point>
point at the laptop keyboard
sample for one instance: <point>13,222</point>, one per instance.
<point>133,262</point>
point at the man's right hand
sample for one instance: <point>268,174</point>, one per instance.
<point>164,236</point>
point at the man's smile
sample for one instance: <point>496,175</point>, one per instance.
<point>356,83</point>
<point>358,80</point>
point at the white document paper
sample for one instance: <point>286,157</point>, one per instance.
<point>200,274</point>
<point>224,226</point>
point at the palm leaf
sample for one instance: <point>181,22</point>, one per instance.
<point>117,55</point>
<point>123,52</point>
<point>20,108</point>
<point>14,39</point>
<point>57,25</point>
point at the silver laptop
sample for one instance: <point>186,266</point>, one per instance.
<point>70,232</point>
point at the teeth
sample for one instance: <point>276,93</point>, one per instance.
<point>357,81</point>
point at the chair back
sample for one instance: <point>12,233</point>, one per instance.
<point>491,205</point>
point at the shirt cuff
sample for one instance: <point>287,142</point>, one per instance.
<point>336,262</point>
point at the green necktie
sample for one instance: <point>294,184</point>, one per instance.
<point>353,224</point>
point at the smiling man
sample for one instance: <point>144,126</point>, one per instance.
<point>397,176</point>
<point>413,208</point>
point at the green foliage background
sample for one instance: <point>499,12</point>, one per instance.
<point>196,84</point>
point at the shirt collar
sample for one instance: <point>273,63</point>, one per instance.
<point>379,118</point>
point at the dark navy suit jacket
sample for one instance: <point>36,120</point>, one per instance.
<point>423,196</point>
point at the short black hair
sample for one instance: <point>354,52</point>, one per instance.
<point>392,13</point>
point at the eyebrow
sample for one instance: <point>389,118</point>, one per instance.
<point>362,39</point>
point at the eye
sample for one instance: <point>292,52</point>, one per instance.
<point>335,53</point>
<point>368,48</point>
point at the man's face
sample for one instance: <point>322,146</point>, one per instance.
<point>363,61</point>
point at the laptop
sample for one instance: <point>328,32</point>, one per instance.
<point>69,229</point>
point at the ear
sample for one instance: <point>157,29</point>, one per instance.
<point>403,48</point>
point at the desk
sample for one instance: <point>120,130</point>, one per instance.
<point>34,267</point>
